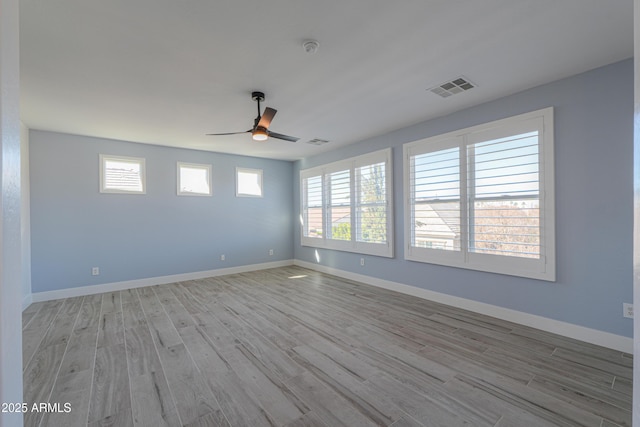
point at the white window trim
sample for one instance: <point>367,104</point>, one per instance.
<point>140,160</point>
<point>543,268</point>
<point>206,167</point>
<point>366,248</point>
<point>258,172</point>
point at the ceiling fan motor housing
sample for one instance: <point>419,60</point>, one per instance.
<point>257,96</point>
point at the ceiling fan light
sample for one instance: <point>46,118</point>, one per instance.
<point>259,135</point>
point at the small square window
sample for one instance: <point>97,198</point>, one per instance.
<point>194,179</point>
<point>124,175</point>
<point>248,182</point>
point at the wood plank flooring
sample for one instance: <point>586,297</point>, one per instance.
<point>297,348</point>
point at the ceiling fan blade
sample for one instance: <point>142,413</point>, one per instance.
<point>267,116</point>
<point>229,133</point>
<point>283,137</point>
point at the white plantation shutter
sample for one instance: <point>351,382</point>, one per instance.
<point>371,203</point>
<point>194,179</point>
<point>504,196</point>
<point>339,203</point>
<point>482,197</point>
<point>122,174</point>
<point>248,182</point>
<point>435,193</point>
<point>313,207</point>
<point>349,202</point>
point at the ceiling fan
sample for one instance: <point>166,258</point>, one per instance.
<point>260,130</point>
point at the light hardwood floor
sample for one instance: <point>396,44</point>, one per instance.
<point>293,347</point>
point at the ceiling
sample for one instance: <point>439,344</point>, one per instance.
<point>169,71</point>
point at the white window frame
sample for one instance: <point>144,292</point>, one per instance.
<point>258,173</point>
<point>104,158</point>
<point>200,166</point>
<point>369,248</point>
<point>542,268</point>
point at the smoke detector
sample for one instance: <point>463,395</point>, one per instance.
<point>310,46</point>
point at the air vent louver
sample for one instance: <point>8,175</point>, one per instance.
<point>317,141</point>
<point>452,87</point>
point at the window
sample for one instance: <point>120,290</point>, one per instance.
<point>125,175</point>
<point>248,182</point>
<point>194,179</point>
<point>482,198</point>
<point>346,205</point>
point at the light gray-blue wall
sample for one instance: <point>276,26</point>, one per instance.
<point>594,177</point>
<point>74,227</point>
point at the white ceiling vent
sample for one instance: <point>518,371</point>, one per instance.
<point>452,87</point>
<point>317,141</point>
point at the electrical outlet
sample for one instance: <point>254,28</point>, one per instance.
<point>222,257</point>
<point>270,252</point>
<point>627,310</point>
<point>95,271</point>
<point>361,261</point>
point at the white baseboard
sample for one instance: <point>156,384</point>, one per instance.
<point>151,281</point>
<point>593,336</point>
<point>26,301</point>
